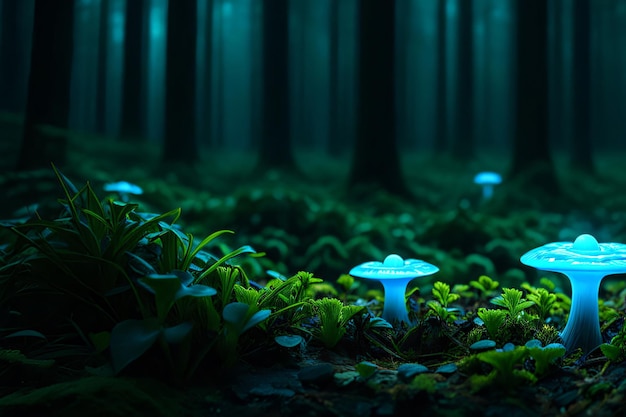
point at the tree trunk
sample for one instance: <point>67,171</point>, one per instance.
<point>441,128</point>
<point>180,75</point>
<point>334,141</point>
<point>13,44</point>
<point>101,87</point>
<point>463,145</point>
<point>532,165</point>
<point>276,151</point>
<point>375,162</point>
<point>581,157</point>
<point>130,128</point>
<point>47,104</point>
<point>205,121</point>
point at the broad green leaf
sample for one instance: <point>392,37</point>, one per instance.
<point>130,339</point>
<point>176,334</point>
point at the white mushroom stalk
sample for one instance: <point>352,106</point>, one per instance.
<point>394,274</point>
<point>585,262</point>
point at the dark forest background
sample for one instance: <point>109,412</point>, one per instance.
<point>408,97</point>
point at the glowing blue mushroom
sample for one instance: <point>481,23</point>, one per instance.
<point>394,273</point>
<point>585,262</point>
<point>123,189</point>
<point>487,180</point>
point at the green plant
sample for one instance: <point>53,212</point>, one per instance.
<point>507,368</point>
<point>485,285</point>
<point>442,299</point>
<point>126,281</point>
<point>494,321</point>
<point>615,351</point>
<point>333,317</point>
<point>511,299</point>
<point>544,301</point>
<point>441,293</point>
<point>544,356</point>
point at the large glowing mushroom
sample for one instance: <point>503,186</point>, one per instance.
<point>585,262</point>
<point>394,273</point>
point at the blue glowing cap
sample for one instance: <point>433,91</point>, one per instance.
<point>123,187</point>
<point>584,254</point>
<point>393,267</point>
<point>487,177</point>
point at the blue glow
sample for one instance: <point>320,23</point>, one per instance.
<point>585,262</point>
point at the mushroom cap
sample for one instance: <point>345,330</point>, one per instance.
<point>584,254</point>
<point>487,177</point>
<point>393,267</point>
<point>123,187</point>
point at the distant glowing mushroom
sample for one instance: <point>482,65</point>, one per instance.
<point>585,262</point>
<point>123,189</point>
<point>487,180</point>
<point>394,273</point>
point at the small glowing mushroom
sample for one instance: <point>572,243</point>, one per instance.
<point>123,188</point>
<point>487,180</point>
<point>585,262</point>
<point>394,273</point>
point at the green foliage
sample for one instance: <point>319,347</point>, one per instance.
<point>440,305</point>
<point>507,369</point>
<point>424,382</point>
<point>135,274</point>
<point>485,285</point>
<point>441,293</point>
<point>511,299</point>
<point>616,350</point>
<point>544,356</point>
<point>544,302</point>
<point>494,320</point>
<point>347,283</point>
<point>508,365</point>
<point>333,316</point>
<point>366,369</point>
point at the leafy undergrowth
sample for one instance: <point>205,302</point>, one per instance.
<point>120,309</point>
<point>101,298</point>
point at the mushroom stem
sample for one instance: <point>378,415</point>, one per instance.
<point>487,191</point>
<point>583,325</point>
<point>394,308</point>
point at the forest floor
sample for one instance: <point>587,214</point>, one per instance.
<point>316,382</point>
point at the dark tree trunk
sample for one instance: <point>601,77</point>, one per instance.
<point>276,151</point>
<point>581,157</point>
<point>48,86</point>
<point>101,86</point>
<point>130,128</point>
<point>557,114</point>
<point>218,140</point>
<point>403,55</point>
<point>532,165</point>
<point>207,93</point>
<point>375,161</point>
<point>180,75</point>
<point>12,62</point>
<point>441,124</point>
<point>334,142</point>
<point>255,83</point>
<point>463,145</point>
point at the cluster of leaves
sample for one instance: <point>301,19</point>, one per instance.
<point>511,365</point>
<point>133,288</point>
